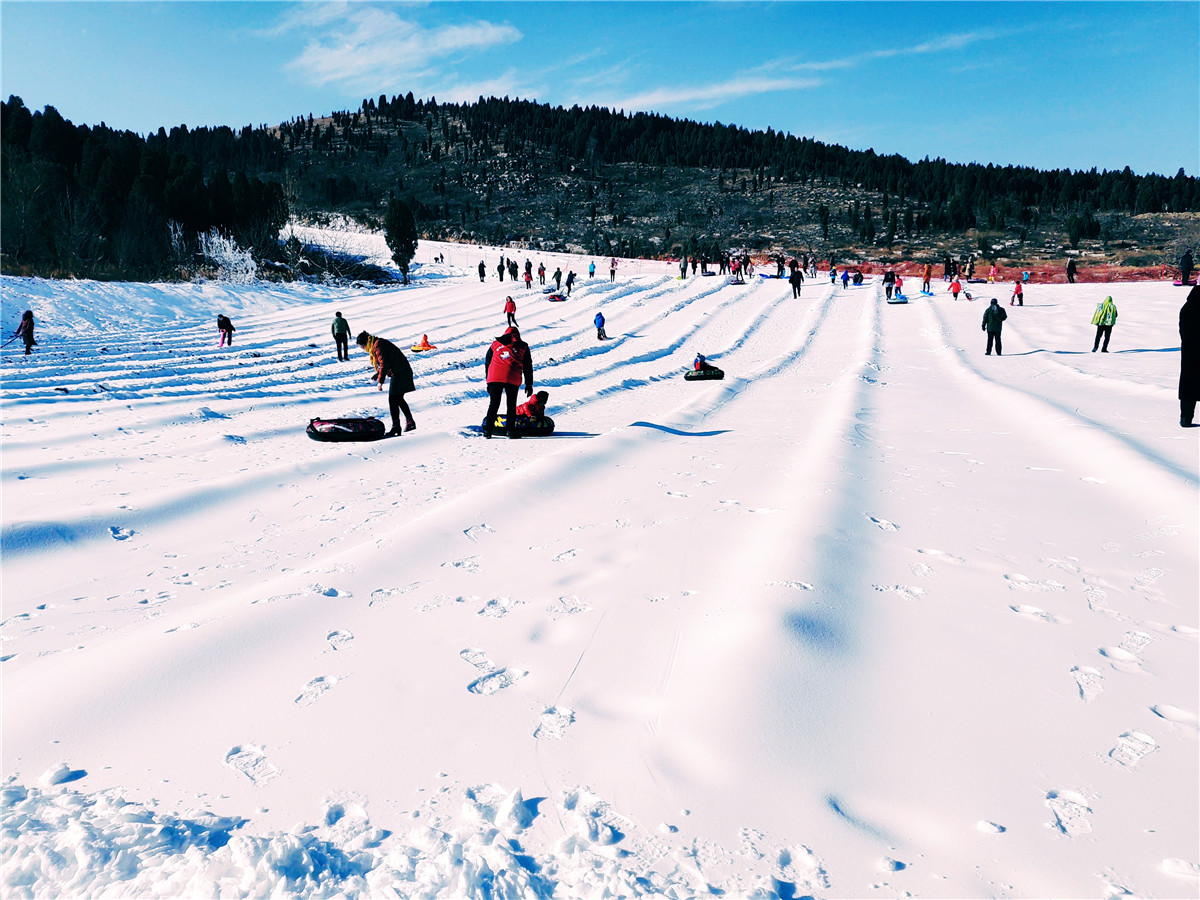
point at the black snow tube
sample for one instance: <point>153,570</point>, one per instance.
<point>713,374</point>
<point>369,429</point>
<point>526,427</point>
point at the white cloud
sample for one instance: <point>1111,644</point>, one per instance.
<point>358,46</point>
<point>709,95</point>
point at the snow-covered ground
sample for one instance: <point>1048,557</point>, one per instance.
<point>877,615</point>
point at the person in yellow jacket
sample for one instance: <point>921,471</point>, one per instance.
<point>1104,318</point>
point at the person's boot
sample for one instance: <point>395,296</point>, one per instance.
<point>395,430</point>
<point>410,425</point>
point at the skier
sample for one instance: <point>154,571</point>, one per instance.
<point>510,310</point>
<point>507,363</point>
<point>599,320</point>
<point>993,322</point>
<point>1189,358</point>
<point>341,336</point>
<point>1104,318</point>
<point>558,279</point>
<point>482,270</point>
<point>389,361</point>
<point>25,331</point>
<point>226,328</point>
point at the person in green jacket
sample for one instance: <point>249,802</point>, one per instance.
<point>993,321</point>
<point>341,336</point>
<point>1104,318</point>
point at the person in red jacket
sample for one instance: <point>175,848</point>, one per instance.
<point>510,310</point>
<point>508,362</point>
<point>535,407</point>
<point>1018,296</point>
<point>955,287</point>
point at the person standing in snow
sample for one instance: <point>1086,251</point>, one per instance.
<point>1189,358</point>
<point>612,270</point>
<point>528,280</point>
<point>955,287</point>
<point>925,276</point>
<point>683,268</point>
<point>482,270</point>
<point>389,361</point>
<point>1071,270</point>
<point>993,322</point>
<point>845,278</point>
<point>1104,318</point>
<point>796,279</point>
<point>507,363</point>
<point>25,331</point>
<point>570,281</point>
<point>541,273</point>
<point>558,278</point>
<point>1185,267</point>
<point>592,269</point>
<point>510,310</point>
<point>600,335</point>
<point>1018,296</point>
<point>341,336</point>
<point>225,326</point>
<point>889,282</point>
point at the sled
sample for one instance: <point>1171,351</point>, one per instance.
<point>526,427</point>
<point>926,293</point>
<point>708,274</point>
<point>423,345</point>
<point>368,429</point>
<point>713,374</point>
<point>977,281</point>
<point>897,298</point>
<point>547,290</point>
<point>557,298</point>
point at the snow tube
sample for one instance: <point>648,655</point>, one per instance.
<point>713,374</point>
<point>898,298</point>
<point>423,345</point>
<point>926,293</point>
<point>369,429</point>
<point>977,281</point>
<point>557,298</point>
<point>526,427</point>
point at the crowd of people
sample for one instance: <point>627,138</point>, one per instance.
<point>508,362</point>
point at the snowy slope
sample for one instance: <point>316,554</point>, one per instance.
<point>875,614</point>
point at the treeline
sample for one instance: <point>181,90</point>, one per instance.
<point>96,202</point>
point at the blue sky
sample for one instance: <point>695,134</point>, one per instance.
<point>1051,85</point>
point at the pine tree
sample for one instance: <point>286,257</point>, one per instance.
<point>400,232</point>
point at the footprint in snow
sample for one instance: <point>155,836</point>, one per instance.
<point>795,585</point>
<point>1131,747</point>
<point>495,681</point>
<point>1070,811</point>
<point>477,658</point>
<point>1033,612</point>
<point>901,590</point>
<point>1088,680</point>
<point>476,531</point>
<point>1022,583</point>
<point>339,639</point>
<point>498,607</point>
<point>312,691</point>
<point>468,564</point>
<point>883,523</point>
<point>554,723</point>
<point>1174,714</point>
<point>251,760</point>
<point>943,556</point>
<point>564,556</point>
<point>120,534</point>
<point>1134,641</point>
<point>569,605</point>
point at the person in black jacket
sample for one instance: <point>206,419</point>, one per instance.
<point>1071,269</point>
<point>389,361</point>
<point>1189,358</point>
<point>25,330</point>
<point>993,322</point>
<point>1185,266</point>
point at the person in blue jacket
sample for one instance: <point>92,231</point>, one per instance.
<point>600,335</point>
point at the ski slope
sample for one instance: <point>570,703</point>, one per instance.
<point>877,615</point>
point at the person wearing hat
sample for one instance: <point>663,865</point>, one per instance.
<point>535,407</point>
<point>389,361</point>
<point>993,322</point>
<point>341,336</point>
<point>507,363</point>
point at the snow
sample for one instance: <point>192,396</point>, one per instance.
<point>877,615</point>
